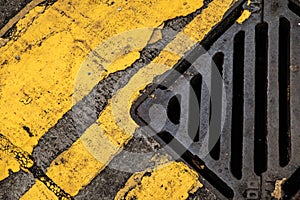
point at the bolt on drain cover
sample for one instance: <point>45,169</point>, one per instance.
<point>252,133</point>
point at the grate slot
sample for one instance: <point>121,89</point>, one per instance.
<point>294,7</point>
<point>216,89</point>
<point>284,92</point>
<point>292,185</point>
<point>237,123</point>
<point>194,116</point>
<point>261,82</point>
<point>173,109</point>
<point>259,143</point>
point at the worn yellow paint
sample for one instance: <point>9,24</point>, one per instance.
<point>40,65</point>
<point>3,41</point>
<point>171,54</point>
<point>121,103</point>
<point>26,163</point>
<point>156,35</point>
<point>245,15</point>
<point>115,126</point>
<point>115,53</point>
<point>174,180</point>
<point>72,169</point>
<point>277,193</point>
<point>110,128</point>
<point>149,188</point>
<point>42,192</point>
<point>31,5</point>
<point>21,156</point>
<point>76,167</point>
<point>54,188</point>
<point>208,19</point>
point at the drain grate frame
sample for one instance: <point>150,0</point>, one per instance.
<point>261,135</point>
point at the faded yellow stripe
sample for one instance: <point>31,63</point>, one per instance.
<point>40,65</point>
<point>42,192</point>
<point>21,156</point>
<point>245,15</point>
<point>77,166</point>
<point>168,58</point>
<point>27,164</point>
<point>174,180</point>
<point>209,18</point>
<point>18,16</point>
<point>115,135</point>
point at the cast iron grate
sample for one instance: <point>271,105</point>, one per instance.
<point>260,138</point>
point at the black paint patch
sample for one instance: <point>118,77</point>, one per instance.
<point>27,129</point>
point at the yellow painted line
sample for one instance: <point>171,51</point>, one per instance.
<point>176,187</point>
<point>26,163</point>
<point>21,156</point>
<point>75,168</point>
<point>277,193</point>
<point>20,15</point>
<point>203,23</point>
<point>171,181</point>
<point>115,120</point>
<point>245,15</point>
<point>40,65</point>
<point>167,58</point>
<point>42,192</point>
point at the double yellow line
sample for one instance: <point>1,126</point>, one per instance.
<point>38,75</point>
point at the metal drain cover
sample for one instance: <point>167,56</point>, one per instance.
<point>259,141</point>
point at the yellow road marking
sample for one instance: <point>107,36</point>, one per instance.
<point>171,181</point>
<point>40,64</point>
<point>168,58</point>
<point>113,54</point>
<point>3,41</point>
<point>119,106</point>
<point>150,187</point>
<point>245,15</point>
<point>117,135</point>
<point>22,157</point>
<point>77,166</point>
<point>208,19</point>
<point>277,193</point>
<point>42,192</point>
<point>20,15</point>
<point>26,163</point>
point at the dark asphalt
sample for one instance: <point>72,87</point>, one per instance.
<point>9,9</point>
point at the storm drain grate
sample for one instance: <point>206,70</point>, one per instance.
<point>260,138</point>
